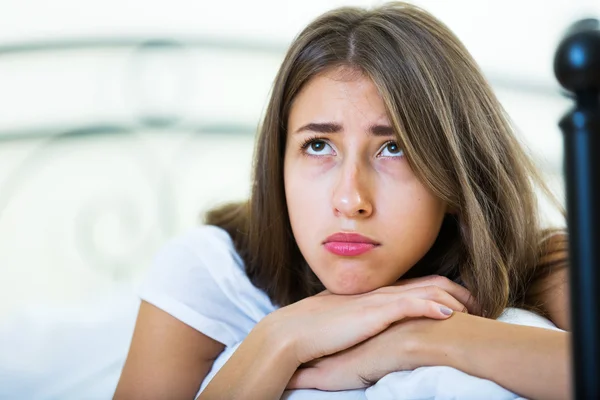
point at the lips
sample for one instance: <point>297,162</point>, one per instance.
<point>349,244</point>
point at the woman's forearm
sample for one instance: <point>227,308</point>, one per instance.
<point>532,362</point>
<point>260,368</point>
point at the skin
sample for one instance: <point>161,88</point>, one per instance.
<point>350,179</point>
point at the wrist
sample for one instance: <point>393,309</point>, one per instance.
<point>272,332</point>
<point>260,368</point>
<point>434,343</point>
<point>449,350</point>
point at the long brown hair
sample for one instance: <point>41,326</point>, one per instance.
<point>457,139</point>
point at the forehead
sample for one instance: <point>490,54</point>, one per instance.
<point>336,95</point>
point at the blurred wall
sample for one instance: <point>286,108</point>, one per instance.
<point>122,121</point>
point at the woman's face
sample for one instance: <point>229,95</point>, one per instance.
<point>360,216</point>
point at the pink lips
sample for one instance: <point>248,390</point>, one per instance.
<point>349,244</point>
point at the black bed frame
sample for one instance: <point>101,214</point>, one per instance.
<point>577,68</point>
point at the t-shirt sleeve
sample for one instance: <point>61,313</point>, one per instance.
<point>198,279</point>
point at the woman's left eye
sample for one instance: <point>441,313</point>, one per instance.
<point>391,149</point>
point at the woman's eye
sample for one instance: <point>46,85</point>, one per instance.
<point>318,148</point>
<point>391,149</point>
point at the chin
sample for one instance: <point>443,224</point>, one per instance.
<point>348,291</point>
<point>352,276</point>
<point>349,283</point>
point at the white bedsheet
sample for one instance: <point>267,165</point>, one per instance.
<point>66,353</point>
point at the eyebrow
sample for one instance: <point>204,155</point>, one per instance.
<point>330,127</point>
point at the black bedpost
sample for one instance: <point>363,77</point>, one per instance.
<point>577,68</point>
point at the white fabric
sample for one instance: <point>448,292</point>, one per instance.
<point>200,279</point>
<point>77,352</point>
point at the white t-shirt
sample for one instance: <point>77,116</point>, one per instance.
<point>199,279</point>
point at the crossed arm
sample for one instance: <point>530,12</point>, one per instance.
<point>533,362</point>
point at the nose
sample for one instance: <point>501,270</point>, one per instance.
<point>351,195</point>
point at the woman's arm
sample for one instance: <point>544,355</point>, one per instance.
<point>259,369</point>
<point>532,362</point>
<point>167,359</point>
<point>316,327</point>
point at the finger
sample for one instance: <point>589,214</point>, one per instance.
<point>440,296</point>
<point>304,378</point>
<point>433,293</point>
<point>459,292</point>
<point>406,307</point>
<point>379,312</point>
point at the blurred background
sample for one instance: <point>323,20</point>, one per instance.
<point>121,122</point>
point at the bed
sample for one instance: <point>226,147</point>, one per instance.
<point>94,186</point>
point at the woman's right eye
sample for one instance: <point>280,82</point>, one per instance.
<point>318,147</point>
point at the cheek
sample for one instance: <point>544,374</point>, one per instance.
<point>302,178</point>
<point>306,190</point>
<point>409,208</point>
<point>394,172</point>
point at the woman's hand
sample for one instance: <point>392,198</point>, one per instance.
<point>327,323</point>
<point>399,347</point>
<point>405,345</point>
<point>359,366</point>
<point>459,292</point>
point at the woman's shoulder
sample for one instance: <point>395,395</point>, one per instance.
<point>203,247</point>
<point>200,255</point>
<point>208,238</point>
<point>199,278</point>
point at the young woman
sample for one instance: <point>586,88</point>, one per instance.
<point>392,219</point>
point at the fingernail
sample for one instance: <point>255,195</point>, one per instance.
<point>446,310</point>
